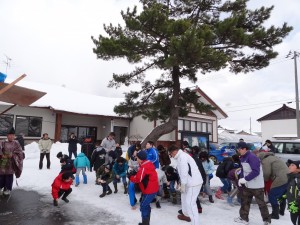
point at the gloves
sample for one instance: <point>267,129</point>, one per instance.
<point>55,203</point>
<point>131,173</point>
<point>182,188</point>
<point>242,181</point>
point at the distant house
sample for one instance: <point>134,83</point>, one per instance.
<point>279,124</point>
<point>62,112</point>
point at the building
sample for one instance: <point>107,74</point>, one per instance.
<point>62,111</point>
<point>279,124</point>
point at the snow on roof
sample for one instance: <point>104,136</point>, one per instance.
<point>64,99</point>
<point>225,136</point>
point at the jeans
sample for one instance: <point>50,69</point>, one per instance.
<point>118,180</point>
<point>172,186</point>
<point>226,185</point>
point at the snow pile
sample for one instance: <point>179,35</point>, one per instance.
<point>86,197</point>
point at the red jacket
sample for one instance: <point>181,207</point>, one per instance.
<point>58,184</point>
<point>147,178</point>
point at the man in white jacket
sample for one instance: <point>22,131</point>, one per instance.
<point>191,182</point>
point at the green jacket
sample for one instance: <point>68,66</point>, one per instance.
<point>274,169</point>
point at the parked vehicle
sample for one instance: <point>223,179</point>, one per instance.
<point>217,153</point>
<point>287,149</point>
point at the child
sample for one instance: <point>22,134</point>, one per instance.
<point>61,186</point>
<point>293,194</point>
<point>172,178</point>
<point>105,177</point>
<point>119,170</point>
<point>80,163</point>
<point>147,179</point>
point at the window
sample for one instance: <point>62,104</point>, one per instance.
<point>6,122</point>
<point>193,126</point>
<point>199,128</point>
<point>30,126</point>
<point>187,125</point>
<point>80,132</point>
<point>204,127</point>
<point>180,124</point>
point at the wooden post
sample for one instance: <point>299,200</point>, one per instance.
<point>58,127</point>
<point>12,84</point>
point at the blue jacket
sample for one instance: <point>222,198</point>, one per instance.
<point>120,169</point>
<point>81,161</point>
<point>152,156</point>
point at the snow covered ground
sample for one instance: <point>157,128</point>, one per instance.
<point>115,209</point>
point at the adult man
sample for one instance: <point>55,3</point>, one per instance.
<point>109,145</point>
<point>72,148</point>
<point>191,182</point>
<point>275,170</point>
<point>45,144</point>
<point>254,185</point>
<point>11,161</point>
<point>152,154</point>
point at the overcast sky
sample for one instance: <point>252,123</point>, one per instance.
<point>50,41</point>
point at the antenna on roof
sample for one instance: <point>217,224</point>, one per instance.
<point>7,63</point>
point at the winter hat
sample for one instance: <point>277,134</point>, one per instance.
<point>59,155</point>
<point>296,163</point>
<point>11,131</point>
<point>142,155</point>
<point>63,160</point>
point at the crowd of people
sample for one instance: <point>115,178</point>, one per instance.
<point>152,173</point>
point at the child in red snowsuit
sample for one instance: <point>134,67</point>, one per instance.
<point>61,186</point>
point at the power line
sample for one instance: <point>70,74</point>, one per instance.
<point>253,108</point>
<point>286,100</point>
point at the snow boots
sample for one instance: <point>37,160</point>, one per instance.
<point>219,194</point>
<point>125,188</point>
<point>116,188</point>
<point>275,212</point>
<point>210,199</point>
<point>84,179</point>
<point>77,181</point>
<point>157,203</point>
<point>145,221</point>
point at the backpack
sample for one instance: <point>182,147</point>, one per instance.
<point>221,170</point>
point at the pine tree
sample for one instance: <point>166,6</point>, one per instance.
<point>182,38</point>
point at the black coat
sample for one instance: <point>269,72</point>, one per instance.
<point>200,167</point>
<point>72,144</point>
<point>98,158</point>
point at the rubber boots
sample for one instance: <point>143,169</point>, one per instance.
<point>77,181</point>
<point>84,179</point>
<point>145,221</point>
<point>282,207</point>
<point>125,188</point>
<point>219,194</point>
<point>116,188</point>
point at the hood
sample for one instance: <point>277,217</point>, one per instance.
<point>81,154</point>
<point>263,155</point>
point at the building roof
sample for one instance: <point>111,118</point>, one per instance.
<point>282,113</point>
<point>63,99</point>
<point>207,100</point>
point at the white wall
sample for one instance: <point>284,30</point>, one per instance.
<point>272,127</point>
<point>48,124</point>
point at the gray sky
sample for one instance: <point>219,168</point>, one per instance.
<point>50,41</point>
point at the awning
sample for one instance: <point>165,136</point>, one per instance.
<point>11,93</point>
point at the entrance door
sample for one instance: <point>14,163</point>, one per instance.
<point>121,133</point>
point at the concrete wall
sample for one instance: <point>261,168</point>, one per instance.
<point>272,127</point>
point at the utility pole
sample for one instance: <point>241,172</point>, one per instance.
<point>294,56</point>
